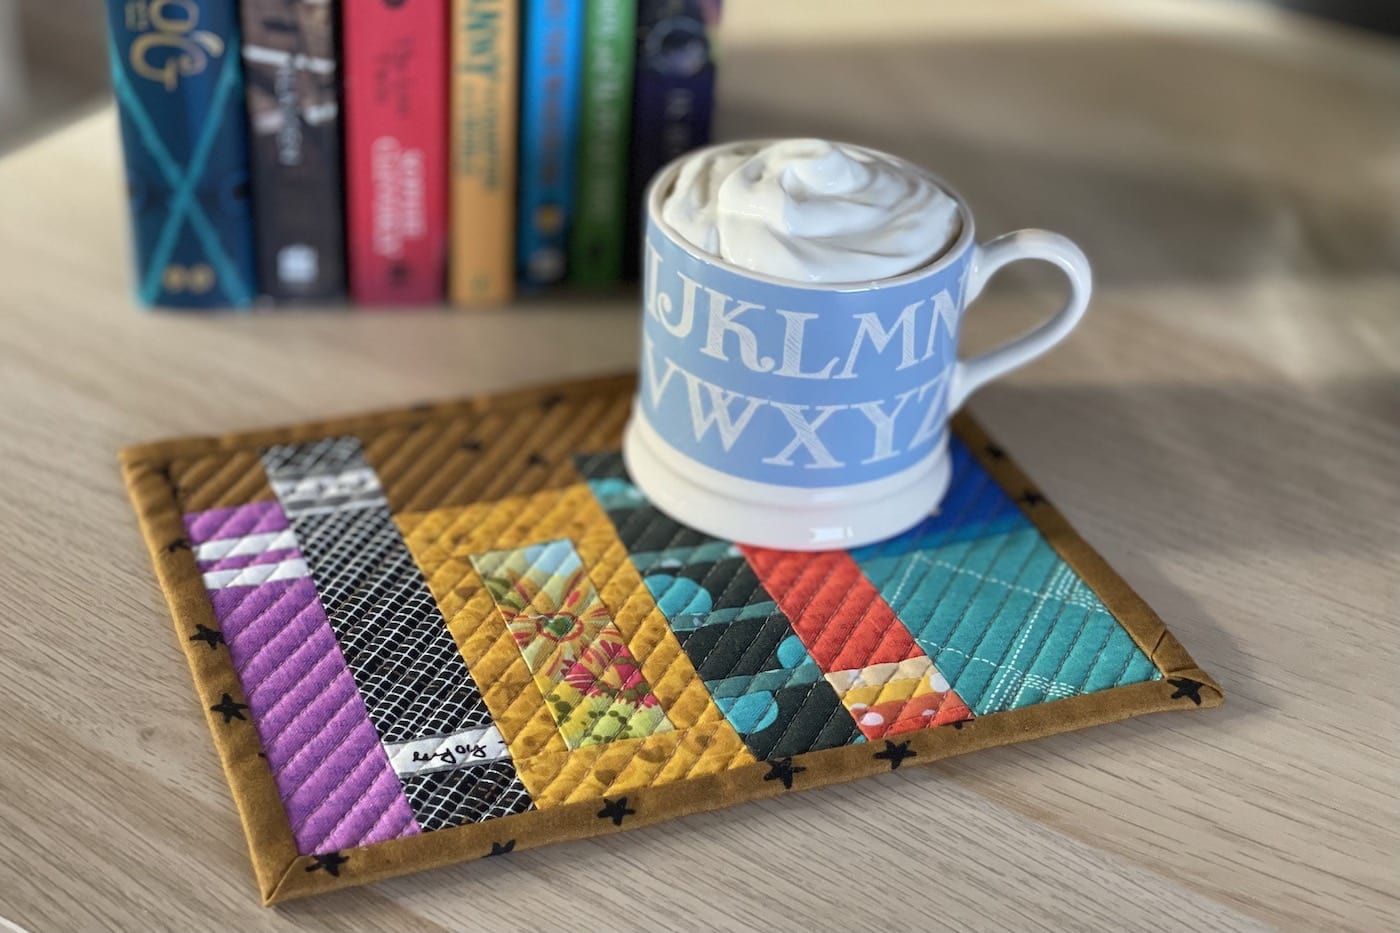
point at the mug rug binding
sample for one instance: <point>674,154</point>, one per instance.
<point>458,630</point>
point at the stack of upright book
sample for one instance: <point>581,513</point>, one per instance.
<point>399,152</point>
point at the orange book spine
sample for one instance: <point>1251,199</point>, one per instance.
<point>485,82</point>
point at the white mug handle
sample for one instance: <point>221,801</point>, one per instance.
<point>970,375</point>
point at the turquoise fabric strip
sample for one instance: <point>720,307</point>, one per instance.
<point>1003,617</point>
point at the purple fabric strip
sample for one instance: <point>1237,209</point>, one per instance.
<point>235,522</point>
<point>331,771</point>
<point>247,560</point>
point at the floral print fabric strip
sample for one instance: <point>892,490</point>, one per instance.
<point>593,686</point>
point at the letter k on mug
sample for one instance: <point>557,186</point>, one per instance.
<point>801,308</point>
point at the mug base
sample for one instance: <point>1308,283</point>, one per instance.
<point>783,517</point>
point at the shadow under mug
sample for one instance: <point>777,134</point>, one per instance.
<point>814,416</point>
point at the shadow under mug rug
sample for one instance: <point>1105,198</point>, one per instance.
<point>459,630</point>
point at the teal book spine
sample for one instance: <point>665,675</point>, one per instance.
<point>178,82</point>
<point>605,125</point>
<point>549,133</point>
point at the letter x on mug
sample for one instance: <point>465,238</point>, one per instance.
<point>814,416</point>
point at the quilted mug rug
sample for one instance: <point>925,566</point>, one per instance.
<point>459,630</point>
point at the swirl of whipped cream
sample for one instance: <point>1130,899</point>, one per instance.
<point>808,210</point>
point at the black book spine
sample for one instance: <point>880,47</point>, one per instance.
<point>292,71</point>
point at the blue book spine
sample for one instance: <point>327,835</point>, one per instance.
<point>550,98</point>
<point>178,82</point>
<point>673,97</point>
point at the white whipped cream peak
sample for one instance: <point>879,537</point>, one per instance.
<point>811,211</point>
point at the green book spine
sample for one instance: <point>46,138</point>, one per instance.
<point>598,233</point>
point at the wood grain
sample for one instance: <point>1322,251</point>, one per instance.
<point>1225,429</point>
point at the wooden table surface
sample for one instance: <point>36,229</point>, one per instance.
<point>1225,428</point>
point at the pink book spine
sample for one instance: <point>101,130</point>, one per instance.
<point>395,60</point>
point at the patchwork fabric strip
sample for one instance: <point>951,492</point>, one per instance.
<point>741,643</point>
<point>1000,613</point>
<point>416,687</point>
<point>335,780</point>
<point>592,685</point>
<point>460,631</point>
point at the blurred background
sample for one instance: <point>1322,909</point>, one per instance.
<point>53,65</point>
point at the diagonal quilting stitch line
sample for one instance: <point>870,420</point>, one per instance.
<point>670,757</point>
<point>496,426</point>
<point>399,825</point>
<point>1006,670</point>
<point>1052,686</point>
<point>660,767</point>
<point>634,522</point>
<point>912,560</point>
<point>549,520</point>
<point>246,560</point>
<point>289,793</point>
<point>1022,675</point>
<point>656,599</point>
<point>1006,593</point>
<point>270,714</point>
<point>850,633</point>
<point>675,581</point>
<point>397,830</point>
<point>1069,652</point>
<point>915,559</point>
<point>400,636</point>
<point>420,475</point>
<point>807,604</point>
<point>808,567</point>
<point>1006,684</point>
<point>380,814</point>
<point>1079,633</point>
<point>1021,681</point>
<point>310,705</point>
<point>678,532</point>
<point>1045,590</point>
<point>1128,657</point>
<point>898,618</point>
<point>290,628</point>
<point>776,614</point>
<point>286,770</point>
<point>559,718</point>
<point>1001,547</point>
<point>220,532</point>
<point>838,710</point>
<point>891,630</point>
<point>966,548</point>
<point>353,777</point>
<point>563,436</point>
<point>982,480</point>
<point>400,465</point>
<point>222,475</point>
<point>816,685</point>
<point>724,594</point>
<point>253,576</point>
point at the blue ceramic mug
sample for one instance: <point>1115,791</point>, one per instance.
<point>811,416</point>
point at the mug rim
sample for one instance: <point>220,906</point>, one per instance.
<point>664,179</point>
